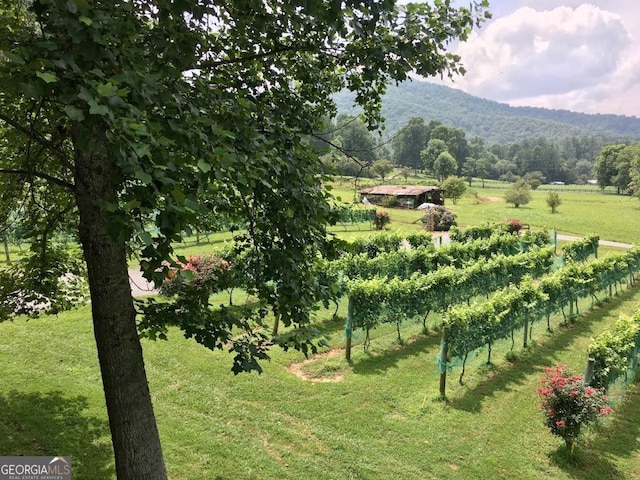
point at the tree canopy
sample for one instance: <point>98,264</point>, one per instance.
<point>119,118</point>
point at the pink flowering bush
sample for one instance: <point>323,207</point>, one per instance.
<point>204,274</point>
<point>568,404</point>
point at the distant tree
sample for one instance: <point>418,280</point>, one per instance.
<point>355,139</point>
<point>454,188</point>
<point>469,169</point>
<point>519,193</point>
<point>429,155</point>
<point>509,177</point>
<point>634,169</point>
<point>409,142</point>
<point>534,179</point>
<point>606,166</point>
<point>444,166</point>
<point>622,178</point>
<point>482,166</point>
<point>405,172</point>
<point>583,167</point>
<point>455,139</point>
<point>476,147</point>
<point>381,168</point>
<point>553,201</point>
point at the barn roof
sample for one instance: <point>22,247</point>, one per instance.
<point>399,190</point>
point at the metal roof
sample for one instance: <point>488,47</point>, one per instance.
<point>399,190</point>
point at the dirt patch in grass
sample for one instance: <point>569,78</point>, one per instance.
<point>320,368</point>
<point>490,199</point>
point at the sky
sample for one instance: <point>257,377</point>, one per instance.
<point>561,54</point>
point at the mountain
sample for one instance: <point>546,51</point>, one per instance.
<point>493,121</point>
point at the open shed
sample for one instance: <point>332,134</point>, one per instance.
<point>409,196</point>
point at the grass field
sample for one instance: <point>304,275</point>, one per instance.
<point>612,217</point>
<point>378,417</point>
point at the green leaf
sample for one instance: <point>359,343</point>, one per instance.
<point>82,4</point>
<point>96,109</point>
<point>146,238</point>
<point>74,113</point>
<point>47,77</point>
<point>107,89</point>
<point>14,58</point>
<point>144,176</point>
<point>204,166</point>
<point>86,20</point>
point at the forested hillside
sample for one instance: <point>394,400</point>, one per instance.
<point>494,122</point>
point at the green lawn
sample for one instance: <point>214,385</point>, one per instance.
<point>376,418</point>
<point>612,217</point>
<point>381,419</point>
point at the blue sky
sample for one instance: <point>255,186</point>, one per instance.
<point>564,54</point>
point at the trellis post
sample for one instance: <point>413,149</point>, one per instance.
<point>444,353</point>
<point>349,328</point>
<point>588,371</point>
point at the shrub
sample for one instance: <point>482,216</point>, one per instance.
<point>381,220</point>
<point>513,225</point>
<point>390,201</point>
<point>568,404</point>
<point>202,274</point>
<point>439,218</point>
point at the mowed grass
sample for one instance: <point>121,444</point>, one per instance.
<point>612,217</point>
<point>376,418</point>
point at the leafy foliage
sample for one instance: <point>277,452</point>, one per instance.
<point>615,351</point>
<point>568,404</point>
<point>579,250</point>
<point>454,188</point>
<point>519,193</point>
<point>382,219</point>
<point>439,218</point>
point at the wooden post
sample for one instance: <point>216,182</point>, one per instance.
<point>555,242</point>
<point>588,371</point>
<point>349,329</point>
<point>444,353</point>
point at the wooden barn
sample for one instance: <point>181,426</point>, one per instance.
<point>409,196</point>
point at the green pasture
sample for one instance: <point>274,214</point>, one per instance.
<point>376,418</point>
<point>612,217</point>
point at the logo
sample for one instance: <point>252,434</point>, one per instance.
<point>35,468</point>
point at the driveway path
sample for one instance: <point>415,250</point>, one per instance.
<point>605,243</point>
<point>140,287</point>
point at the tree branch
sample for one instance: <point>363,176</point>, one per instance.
<point>44,176</point>
<point>38,137</point>
<point>276,51</point>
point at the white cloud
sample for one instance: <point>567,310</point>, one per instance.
<point>578,56</point>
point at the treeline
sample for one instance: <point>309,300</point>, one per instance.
<point>442,150</point>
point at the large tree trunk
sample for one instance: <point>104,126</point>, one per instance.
<point>136,442</point>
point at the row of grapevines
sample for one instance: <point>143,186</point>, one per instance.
<point>579,250</point>
<point>352,215</point>
<point>471,327</point>
<point>382,299</point>
<point>476,232</point>
<point>615,351</point>
<point>388,242</point>
<point>403,263</point>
